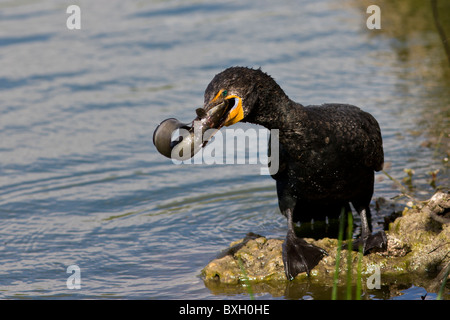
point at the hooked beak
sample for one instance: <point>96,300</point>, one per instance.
<point>224,111</point>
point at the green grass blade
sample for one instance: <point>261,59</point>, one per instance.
<point>349,255</point>
<point>338,255</point>
<point>444,281</point>
<point>246,280</point>
<point>359,280</point>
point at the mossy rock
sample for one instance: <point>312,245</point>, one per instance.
<point>418,249</point>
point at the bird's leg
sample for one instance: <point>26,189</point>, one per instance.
<point>369,241</point>
<point>298,255</point>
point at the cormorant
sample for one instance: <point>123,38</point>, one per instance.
<point>328,155</point>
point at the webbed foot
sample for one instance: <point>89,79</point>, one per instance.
<point>376,242</point>
<point>300,256</point>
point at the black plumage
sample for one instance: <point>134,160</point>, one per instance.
<point>328,156</point>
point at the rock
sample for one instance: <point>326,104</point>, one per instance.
<point>418,250</point>
<point>253,257</point>
<point>439,207</point>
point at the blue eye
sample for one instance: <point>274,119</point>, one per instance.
<point>224,93</point>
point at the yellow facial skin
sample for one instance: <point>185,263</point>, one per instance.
<point>236,114</point>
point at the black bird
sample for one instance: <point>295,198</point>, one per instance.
<point>328,155</point>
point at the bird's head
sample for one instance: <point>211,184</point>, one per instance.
<point>233,95</point>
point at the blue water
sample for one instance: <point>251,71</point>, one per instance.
<point>80,180</point>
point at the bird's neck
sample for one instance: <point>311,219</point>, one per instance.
<point>276,112</point>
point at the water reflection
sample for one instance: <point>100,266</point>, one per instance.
<point>310,290</point>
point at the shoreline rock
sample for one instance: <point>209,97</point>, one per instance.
<point>418,252</point>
